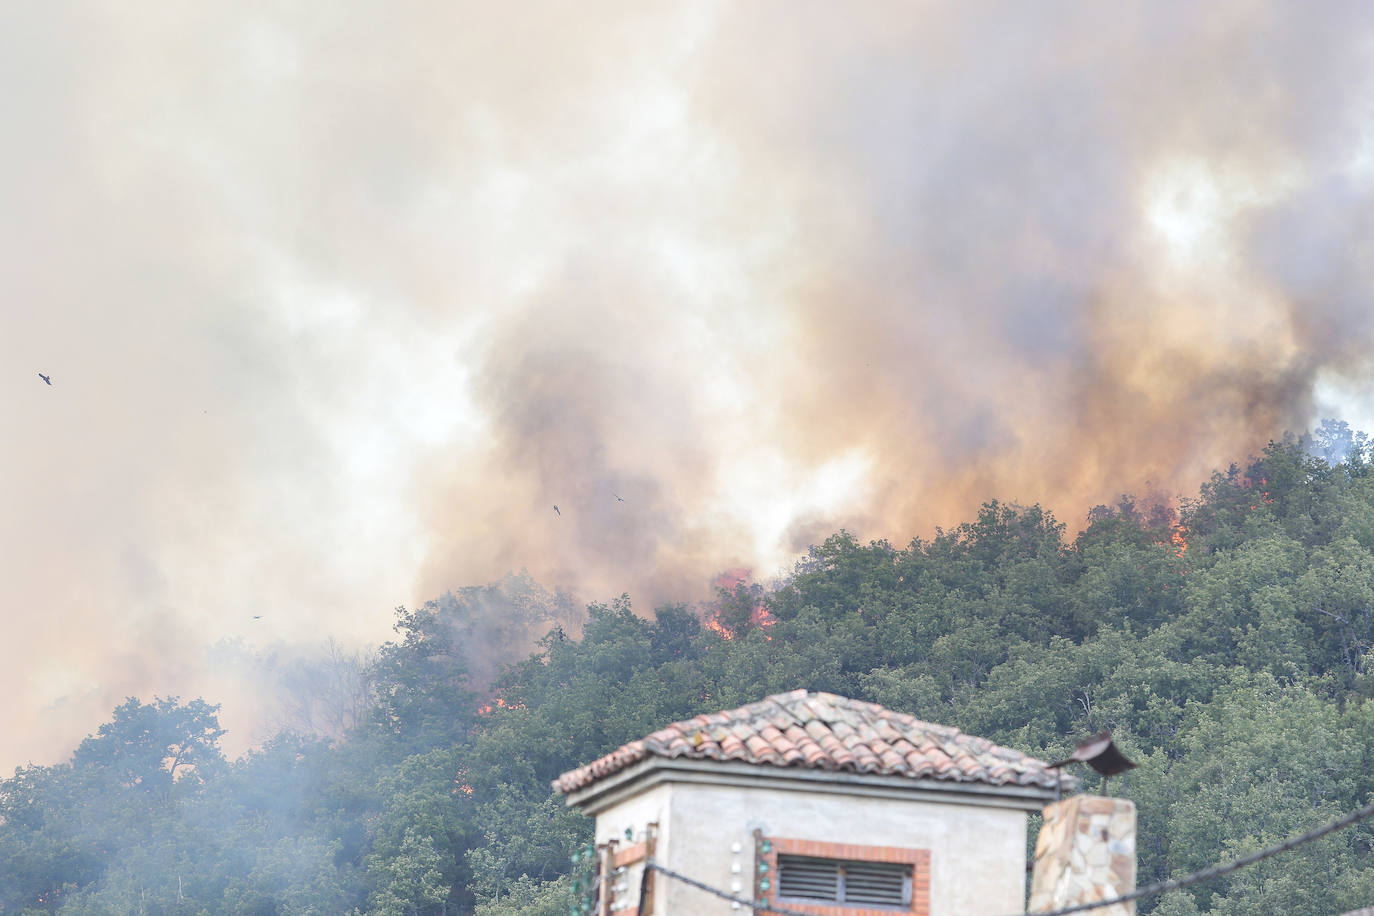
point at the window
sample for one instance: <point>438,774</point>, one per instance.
<point>841,879</point>
<point>845,881</point>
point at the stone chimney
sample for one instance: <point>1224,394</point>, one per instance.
<point>1085,853</point>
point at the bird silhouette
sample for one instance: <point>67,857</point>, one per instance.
<point>617,496</point>
<point>45,378</point>
<point>257,616</point>
<point>560,514</point>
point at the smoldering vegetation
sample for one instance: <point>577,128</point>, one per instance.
<point>326,692</point>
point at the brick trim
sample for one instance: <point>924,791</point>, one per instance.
<point>630,855</point>
<point>766,865</point>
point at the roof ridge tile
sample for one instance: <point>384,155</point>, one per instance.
<point>825,731</point>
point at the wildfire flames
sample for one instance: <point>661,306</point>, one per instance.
<point>1265,494</point>
<point>497,703</point>
<point>731,579</point>
<point>1178,541</point>
<point>714,625</point>
<point>733,585</point>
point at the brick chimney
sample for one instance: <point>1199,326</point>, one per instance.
<point>1085,853</point>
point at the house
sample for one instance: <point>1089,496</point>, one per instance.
<point>815,802</point>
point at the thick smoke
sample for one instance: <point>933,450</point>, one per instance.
<point>339,303</point>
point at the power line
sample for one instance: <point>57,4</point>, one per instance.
<point>1216,871</point>
<point>1162,887</point>
<point>758,905</point>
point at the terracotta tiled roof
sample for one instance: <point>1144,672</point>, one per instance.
<point>826,732</point>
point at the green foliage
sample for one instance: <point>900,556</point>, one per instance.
<point>526,837</point>
<point>152,747</point>
<point>408,877</point>
<point>423,697</point>
<point>1228,647</point>
<point>527,897</point>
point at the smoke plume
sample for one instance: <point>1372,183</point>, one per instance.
<point>339,302</point>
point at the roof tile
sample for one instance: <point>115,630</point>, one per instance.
<point>829,732</point>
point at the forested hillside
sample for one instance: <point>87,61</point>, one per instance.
<point>1227,644</point>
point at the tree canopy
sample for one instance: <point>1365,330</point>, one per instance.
<point>1227,644</point>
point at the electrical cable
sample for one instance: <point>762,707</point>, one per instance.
<point>758,906</point>
<point>1162,887</point>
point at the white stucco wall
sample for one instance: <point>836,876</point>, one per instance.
<point>636,813</point>
<point>978,853</point>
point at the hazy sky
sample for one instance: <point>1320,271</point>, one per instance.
<point>339,300</point>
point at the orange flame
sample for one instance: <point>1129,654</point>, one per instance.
<point>727,580</point>
<point>759,617</point>
<point>716,627</point>
<point>1248,482</point>
<point>1177,545</point>
<point>498,703</point>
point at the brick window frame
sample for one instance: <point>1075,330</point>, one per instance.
<point>768,848</point>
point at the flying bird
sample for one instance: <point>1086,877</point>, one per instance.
<point>560,514</point>
<point>617,496</point>
<point>257,616</point>
<point>45,378</point>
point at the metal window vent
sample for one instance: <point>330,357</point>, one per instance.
<point>844,881</point>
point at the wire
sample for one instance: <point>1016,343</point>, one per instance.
<point>758,905</point>
<point>1216,871</point>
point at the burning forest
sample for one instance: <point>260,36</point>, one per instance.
<point>1215,637</point>
<point>933,260</point>
<point>650,355</point>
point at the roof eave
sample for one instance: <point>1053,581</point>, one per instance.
<point>652,771</point>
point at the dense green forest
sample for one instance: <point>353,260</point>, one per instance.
<point>1227,642</point>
